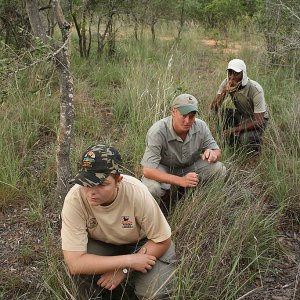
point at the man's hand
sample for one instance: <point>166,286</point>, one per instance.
<point>189,180</point>
<point>141,262</point>
<point>231,85</point>
<point>226,133</point>
<point>210,155</point>
<point>110,280</point>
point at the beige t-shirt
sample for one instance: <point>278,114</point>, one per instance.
<point>133,216</point>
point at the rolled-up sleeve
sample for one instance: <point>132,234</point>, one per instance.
<point>259,101</point>
<point>154,144</point>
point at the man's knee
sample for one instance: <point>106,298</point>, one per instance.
<point>155,188</point>
<point>213,170</point>
<point>86,286</point>
<point>218,169</point>
<point>253,137</point>
<point>158,283</point>
<point>251,141</point>
<point>156,289</point>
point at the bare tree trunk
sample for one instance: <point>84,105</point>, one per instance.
<point>181,20</point>
<point>62,65</point>
<point>136,26</point>
<point>83,30</point>
<point>50,19</point>
<point>66,106</point>
<point>35,20</point>
<point>153,22</point>
<point>101,37</point>
<point>273,17</point>
<point>111,34</point>
<point>142,30</point>
<point>111,38</point>
<point>77,27</point>
<point>90,36</point>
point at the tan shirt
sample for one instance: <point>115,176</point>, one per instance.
<point>248,100</point>
<point>133,216</point>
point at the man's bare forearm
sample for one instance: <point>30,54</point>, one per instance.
<point>160,176</point>
<point>86,263</point>
<point>156,249</point>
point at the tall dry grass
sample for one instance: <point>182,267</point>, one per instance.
<point>225,232</point>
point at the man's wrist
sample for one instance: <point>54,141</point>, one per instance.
<point>233,130</point>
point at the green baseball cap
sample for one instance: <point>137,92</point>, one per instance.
<point>97,163</point>
<point>185,103</point>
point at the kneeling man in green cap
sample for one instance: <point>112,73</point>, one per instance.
<point>180,150</point>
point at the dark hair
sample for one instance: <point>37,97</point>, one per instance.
<point>115,176</point>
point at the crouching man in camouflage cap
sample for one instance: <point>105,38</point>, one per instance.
<point>113,229</point>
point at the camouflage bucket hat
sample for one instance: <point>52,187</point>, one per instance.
<point>97,163</point>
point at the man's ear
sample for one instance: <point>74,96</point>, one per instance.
<point>173,111</point>
<point>119,178</point>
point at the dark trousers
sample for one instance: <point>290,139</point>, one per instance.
<point>251,139</point>
<point>144,286</point>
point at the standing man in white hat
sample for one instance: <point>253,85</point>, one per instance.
<point>242,108</point>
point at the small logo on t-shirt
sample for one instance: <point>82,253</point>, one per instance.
<point>126,223</point>
<point>92,223</point>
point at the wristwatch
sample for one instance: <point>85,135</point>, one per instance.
<point>125,271</point>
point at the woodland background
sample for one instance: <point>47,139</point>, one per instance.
<point>78,72</point>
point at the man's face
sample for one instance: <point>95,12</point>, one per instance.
<point>234,77</point>
<point>182,123</point>
<point>103,194</point>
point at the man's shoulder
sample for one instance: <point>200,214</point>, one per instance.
<point>199,126</point>
<point>199,123</point>
<point>73,199</point>
<point>134,188</point>
<point>255,86</point>
<point>160,124</point>
<point>132,181</point>
<point>73,193</point>
<point>222,86</point>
